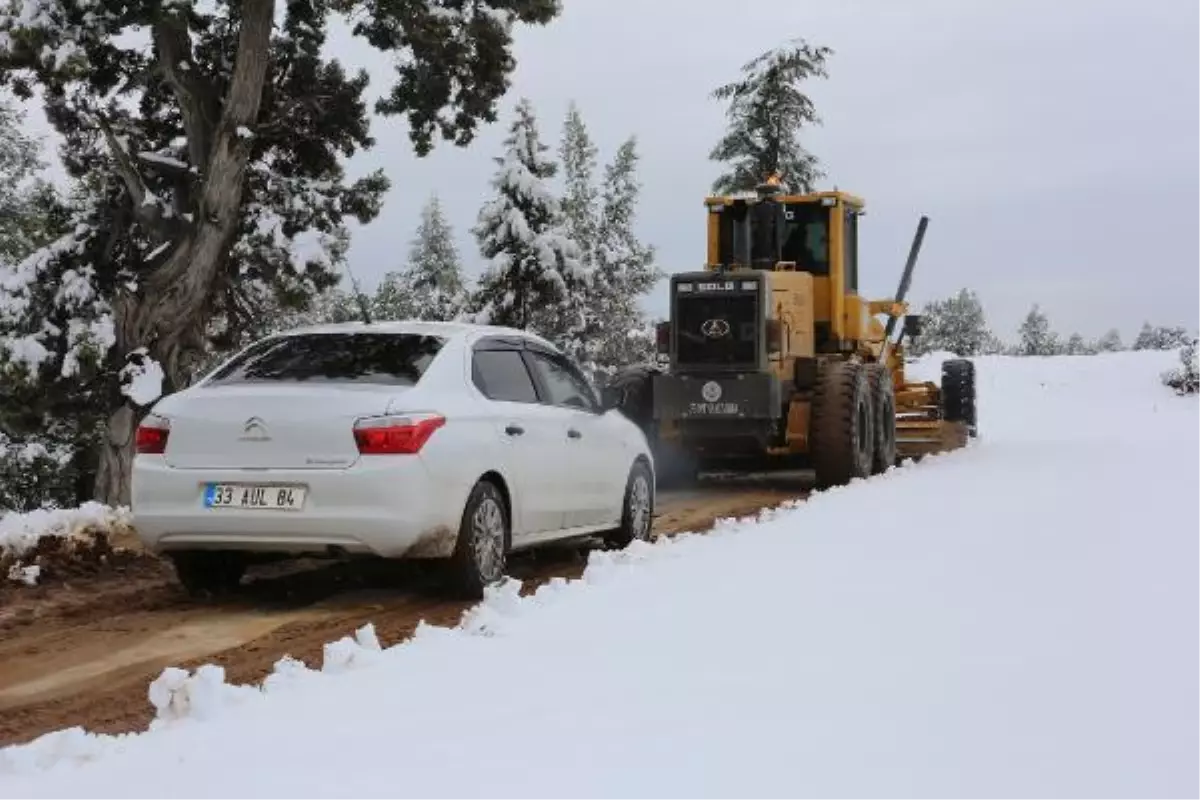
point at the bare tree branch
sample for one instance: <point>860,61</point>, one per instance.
<point>147,213</point>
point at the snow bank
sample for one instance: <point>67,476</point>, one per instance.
<point>20,533</point>
<point>63,532</point>
<point>1015,619</point>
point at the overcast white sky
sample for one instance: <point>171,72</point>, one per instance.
<point>1055,144</point>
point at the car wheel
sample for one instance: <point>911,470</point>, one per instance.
<point>208,572</point>
<point>480,553</point>
<point>637,511</point>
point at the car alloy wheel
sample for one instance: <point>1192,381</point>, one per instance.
<point>487,534</point>
<point>640,513</point>
<point>637,509</point>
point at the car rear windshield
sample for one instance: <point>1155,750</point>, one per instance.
<point>398,359</point>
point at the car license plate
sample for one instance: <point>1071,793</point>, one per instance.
<point>249,496</point>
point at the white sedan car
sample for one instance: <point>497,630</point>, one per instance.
<point>400,440</point>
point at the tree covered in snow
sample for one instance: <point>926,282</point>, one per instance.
<point>1077,346</point>
<point>599,219</point>
<point>210,138</point>
<point>1036,338</point>
<point>618,331</point>
<point>580,202</point>
<point>1185,379</point>
<point>45,438</point>
<point>766,113</point>
<point>431,285</point>
<point>534,275</point>
<point>1110,342</point>
<point>1159,337</point>
<point>956,324</point>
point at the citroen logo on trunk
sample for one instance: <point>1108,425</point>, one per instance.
<point>715,328</point>
<point>255,430</point>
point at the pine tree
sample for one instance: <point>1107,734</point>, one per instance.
<point>618,333</point>
<point>1036,337</point>
<point>44,438</point>
<point>1076,346</point>
<point>204,158</point>
<point>580,204</point>
<point>956,325</point>
<point>1110,342</point>
<point>430,286</point>
<point>1160,337</point>
<point>766,113</point>
<point>535,271</point>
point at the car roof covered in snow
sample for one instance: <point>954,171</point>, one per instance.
<point>447,329</point>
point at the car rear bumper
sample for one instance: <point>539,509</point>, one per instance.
<point>387,506</point>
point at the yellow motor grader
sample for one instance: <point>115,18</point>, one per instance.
<point>773,358</point>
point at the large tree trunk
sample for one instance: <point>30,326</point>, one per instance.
<point>113,486</point>
<point>169,314</point>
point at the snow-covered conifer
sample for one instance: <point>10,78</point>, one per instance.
<point>957,325</point>
<point>618,333</point>
<point>1036,337</point>
<point>1110,342</point>
<point>534,274</point>
<point>766,112</point>
<point>431,285</point>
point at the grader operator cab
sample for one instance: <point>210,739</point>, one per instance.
<point>775,359</point>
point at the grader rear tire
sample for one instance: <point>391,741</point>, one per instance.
<point>958,393</point>
<point>843,429</point>
<point>883,402</point>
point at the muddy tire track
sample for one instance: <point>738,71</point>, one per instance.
<point>84,652</point>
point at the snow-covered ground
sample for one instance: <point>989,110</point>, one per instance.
<point>20,533</point>
<point>1016,619</point>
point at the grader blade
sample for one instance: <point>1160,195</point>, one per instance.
<point>921,437</point>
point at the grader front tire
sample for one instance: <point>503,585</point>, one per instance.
<point>843,440</point>
<point>883,402</point>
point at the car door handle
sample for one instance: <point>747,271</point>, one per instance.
<point>574,434</point>
<point>514,430</point>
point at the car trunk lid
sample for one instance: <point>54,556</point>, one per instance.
<point>272,426</point>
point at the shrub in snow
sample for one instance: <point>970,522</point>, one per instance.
<point>1185,379</point>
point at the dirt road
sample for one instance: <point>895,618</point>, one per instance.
<point>84,652</point>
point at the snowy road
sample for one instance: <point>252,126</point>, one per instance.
<point>83,654</point>
<point>1018,619</point>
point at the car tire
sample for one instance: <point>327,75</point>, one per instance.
<point>480,554</point>
<point>209,572</point>
<point>637,509</point>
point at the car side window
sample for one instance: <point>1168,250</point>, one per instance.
<point>502,375</point>
<point>564,385</point>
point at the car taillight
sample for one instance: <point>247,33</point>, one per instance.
<point>151,438</point>
<point>395,435</point>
